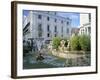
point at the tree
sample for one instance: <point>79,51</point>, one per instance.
<point>74,43</point>
<point>84,41</point>
<point>56,42</point>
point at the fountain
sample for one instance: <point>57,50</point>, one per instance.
<point>62,46</point>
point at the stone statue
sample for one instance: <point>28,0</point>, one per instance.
<point>62,46</point>
<point>68,46</point>
<point>50,46</point>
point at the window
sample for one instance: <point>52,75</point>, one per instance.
<point>48,18</point>
<point>62,21</point>
<point>39,16</point>
<point>55,20</point>
<point>89,17</point>
<point>67,30</point>
<point>62,29</point>
<point>48,35</point>
<point>40,27</point>
<point>48,28</point>
<point>67,23</point>
<point>55,29</point>
<point>39,30</point>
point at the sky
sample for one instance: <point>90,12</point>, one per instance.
<point>75,17</point>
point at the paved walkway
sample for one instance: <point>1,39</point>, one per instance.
<point>67,55</point>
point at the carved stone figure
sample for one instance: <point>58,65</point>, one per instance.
<point>62,46</point>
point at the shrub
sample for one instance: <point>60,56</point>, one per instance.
<point>56,42</point>
<point>74,43</point>
<point>84,41</point>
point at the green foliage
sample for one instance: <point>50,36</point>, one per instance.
<point>74,43</point>
<point>81,42</point>
<point>77,42</point>
<point>85,42</point>
<point>56,42</point>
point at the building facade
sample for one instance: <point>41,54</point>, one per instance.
<point>74,31</point>
<point>42,26</point>
<point>85,24</point>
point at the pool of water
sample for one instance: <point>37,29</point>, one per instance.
<point>50,61</point>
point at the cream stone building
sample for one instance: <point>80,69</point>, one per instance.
<point>85,24</point>
<point>42,26</point>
